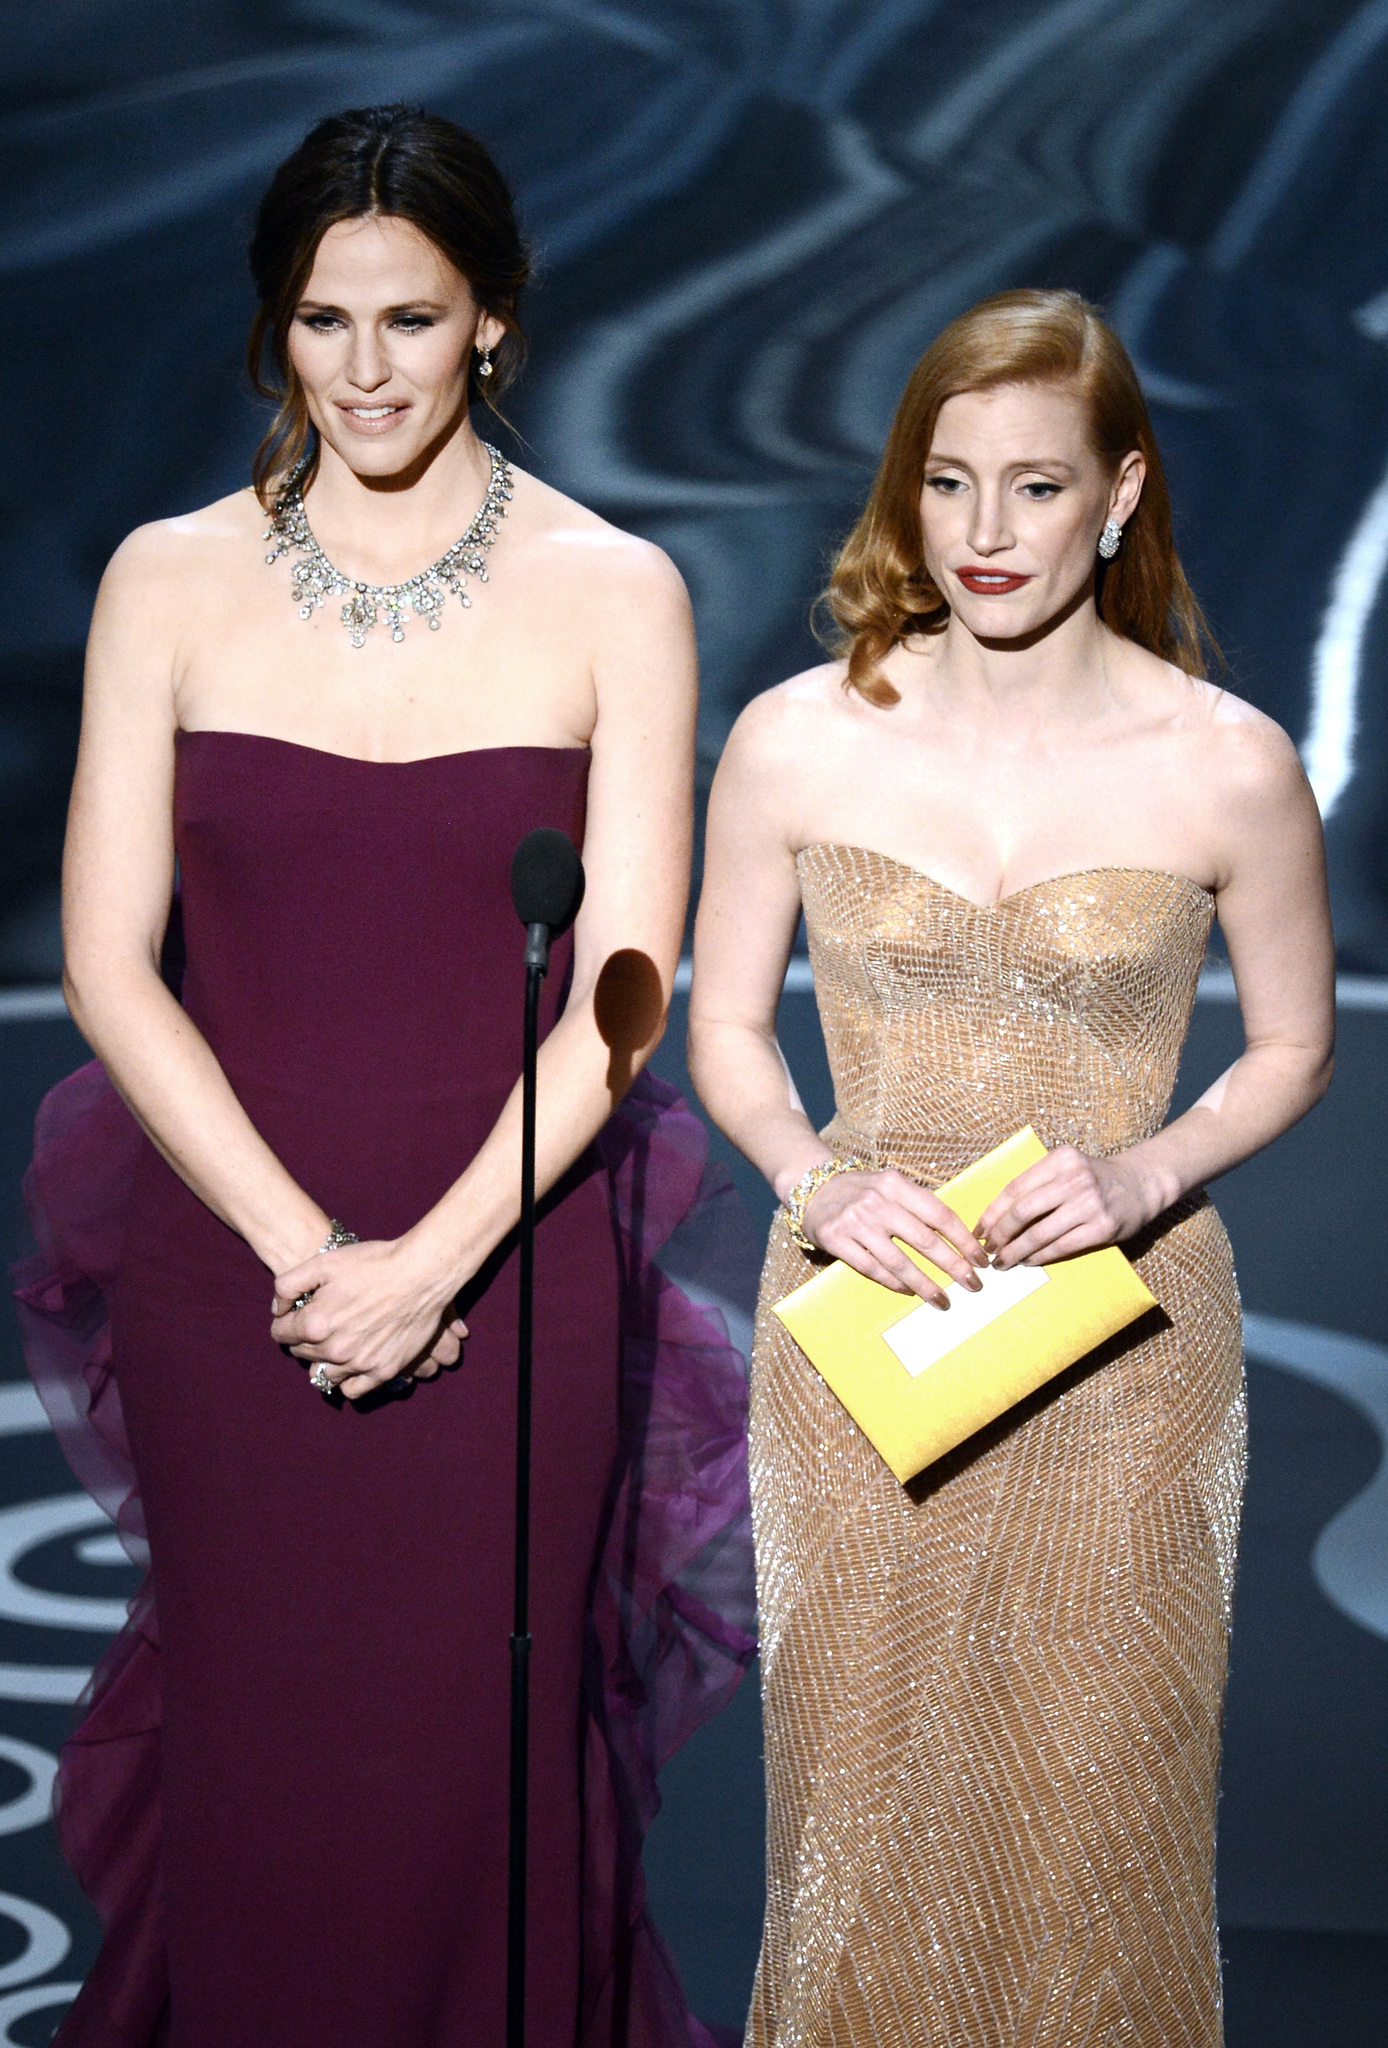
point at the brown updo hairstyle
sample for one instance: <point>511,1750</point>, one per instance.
<point>880,590</point>
<point>382,162</point>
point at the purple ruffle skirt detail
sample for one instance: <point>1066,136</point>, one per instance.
<point>670,1626</point>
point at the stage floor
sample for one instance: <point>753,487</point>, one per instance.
<point>1303,1879</point>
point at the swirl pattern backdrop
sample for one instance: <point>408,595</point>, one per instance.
<point>752,215</point>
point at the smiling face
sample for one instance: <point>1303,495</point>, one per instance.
<point>382,340</point>
<point>1013,503</point>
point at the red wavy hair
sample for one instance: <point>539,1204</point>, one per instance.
<point>880,590</point>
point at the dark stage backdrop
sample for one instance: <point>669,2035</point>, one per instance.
<point>752,216</point>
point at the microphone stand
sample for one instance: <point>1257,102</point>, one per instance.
<point>546,890</point>
<point>537,941</point>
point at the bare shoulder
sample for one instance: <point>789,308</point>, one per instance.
<point>168,552</point>
<point>793,719</point>
<point>564,539</point>
<point>787,748</point>
<point>1227,750</point>
<point>1245,758</point>
<point>1242,779</point>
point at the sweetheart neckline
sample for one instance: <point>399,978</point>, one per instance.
<point>218,732</point>
<point>1013,895</point>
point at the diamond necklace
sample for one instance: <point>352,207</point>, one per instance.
<point>314,578</point>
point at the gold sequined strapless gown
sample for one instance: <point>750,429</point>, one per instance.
<point>992,1699</point>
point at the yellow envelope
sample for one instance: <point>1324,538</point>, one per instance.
<point>918,1380</point>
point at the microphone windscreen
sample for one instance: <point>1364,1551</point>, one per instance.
<point>547,879</point>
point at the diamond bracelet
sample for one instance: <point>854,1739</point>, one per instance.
<point>807,1187</point>
<point>338,1236</point>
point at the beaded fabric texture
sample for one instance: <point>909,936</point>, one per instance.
<point>993,1698</point>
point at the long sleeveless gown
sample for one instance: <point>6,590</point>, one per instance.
<point>309,1849</point>
<point>993,1699</point>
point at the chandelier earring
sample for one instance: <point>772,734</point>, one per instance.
<point>1110,539</point>
<point>484,367</point>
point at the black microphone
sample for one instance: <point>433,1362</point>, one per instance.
<point>546,888</point>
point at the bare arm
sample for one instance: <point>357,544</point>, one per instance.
<point>1275,914</point>
<point>748,913</point>
<point>374,1302</point>
<point>117,882</point>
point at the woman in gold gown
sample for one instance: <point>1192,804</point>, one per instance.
<point>1010,815</point>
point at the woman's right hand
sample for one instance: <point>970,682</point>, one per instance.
<point>375,1311</point>
<point>856,1216</point>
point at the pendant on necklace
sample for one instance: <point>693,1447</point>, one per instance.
<point>314,579</point>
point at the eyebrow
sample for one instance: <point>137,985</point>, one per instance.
<point>407,306</point>
<point>1034,462</point>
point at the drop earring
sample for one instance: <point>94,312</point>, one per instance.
<point>484,367</point>
<point>1110,539</point>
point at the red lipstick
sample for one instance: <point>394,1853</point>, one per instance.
<point>989,582</point>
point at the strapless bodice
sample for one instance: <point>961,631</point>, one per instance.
<point>950,1024</point>
<point>348,923</point>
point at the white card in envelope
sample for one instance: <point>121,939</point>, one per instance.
<point>924,1336</point>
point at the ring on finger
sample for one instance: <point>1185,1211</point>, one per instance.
<point>319,1378</point>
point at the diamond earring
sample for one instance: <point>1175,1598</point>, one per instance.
<point>484,368</point>
<point>1109,539</point>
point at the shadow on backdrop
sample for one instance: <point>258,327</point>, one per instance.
<point>752,216</point>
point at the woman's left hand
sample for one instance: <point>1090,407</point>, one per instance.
<point>374,1316</point>
<point>1068,1203</point>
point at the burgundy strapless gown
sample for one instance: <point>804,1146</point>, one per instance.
<point>333,1582</point>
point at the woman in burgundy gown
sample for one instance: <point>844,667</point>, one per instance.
<point>288,1796</point>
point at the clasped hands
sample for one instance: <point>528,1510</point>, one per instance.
<point>1064,1204</point>
<point>375,1314</point>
